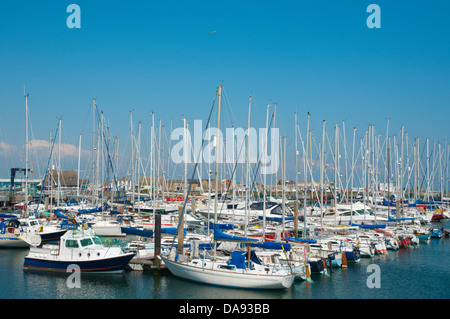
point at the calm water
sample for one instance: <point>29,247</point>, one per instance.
<point>416,273</point>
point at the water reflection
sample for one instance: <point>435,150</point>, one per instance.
<point>183,289</point>
<point>48,285</point>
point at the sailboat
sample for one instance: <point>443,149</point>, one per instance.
<point>241,270</point>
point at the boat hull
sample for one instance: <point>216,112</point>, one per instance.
<point>104,265</point>
<point>229,279</point>
<point>12,242</point>
<point>352,256</point>
<point>52,236</point>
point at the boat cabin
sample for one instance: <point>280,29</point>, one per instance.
<point>11,226</point>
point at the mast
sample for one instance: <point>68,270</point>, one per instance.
<point>132,162</point>
<point>94,201</point>
<point>283,178</point>
<point>336,140</point>
<point>59,165</point>
<point>138,162</point>
<point>26,154</point>
<point>296,153</point>
<point>305,154</point>
<point>152,165</point>
<point>185,156</point>
<point>322,164</point>
<point>217,162</point>
<point>264,173</point>
<point>389,172</point>
<point>353,167</point>
<point>78,177</point>
<point>247,179</point>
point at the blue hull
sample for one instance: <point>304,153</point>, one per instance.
<point>109,265</point>
<point>352,256</point>
<point>436,233</point>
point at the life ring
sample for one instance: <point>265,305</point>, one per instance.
<point>108,242</point>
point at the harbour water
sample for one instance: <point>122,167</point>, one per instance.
<point>412,273</point>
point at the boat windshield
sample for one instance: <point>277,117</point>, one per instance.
<point>97,240</point>
<point>279,211</point>
<point>71,243</point>
<point>85,242</point>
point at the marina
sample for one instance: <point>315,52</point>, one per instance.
<point>249,236</point>
<point>197,158</point>
<point>424,268</point>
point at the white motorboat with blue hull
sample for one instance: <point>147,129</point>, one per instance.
<point>105,265</point>
<point>47,232</point>
<point>81,248</point>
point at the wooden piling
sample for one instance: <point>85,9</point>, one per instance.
<point>180,230</point>
<point>157,240</point>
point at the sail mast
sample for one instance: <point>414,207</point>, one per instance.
<point>26,154</point>
<point>247,179</point>
<point>218,145</point>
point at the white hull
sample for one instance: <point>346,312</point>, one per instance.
<point>12,242</point>
<point>107,229</point>
<point>237,279</point>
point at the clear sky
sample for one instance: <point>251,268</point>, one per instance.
<point>164,56</point>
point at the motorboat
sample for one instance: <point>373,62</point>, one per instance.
<point>80,247</point>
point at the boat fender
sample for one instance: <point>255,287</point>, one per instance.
<point>41,228</point>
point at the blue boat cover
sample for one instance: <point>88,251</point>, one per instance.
<point>370,226</point>
<point>220,235</point>
<point>90,210</point>
<point>276,219</point>
<point>171,230</point>
<point>238,259</point>
<point>59,214</point>
<point>399,219</point>
<point>273,245</point>
<point>7,216</point>
<point>222,226</point>
<point>301,240</point>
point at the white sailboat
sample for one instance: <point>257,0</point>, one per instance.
<point>241,270</point>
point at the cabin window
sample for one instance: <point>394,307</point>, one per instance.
<point>85,242</point>
<point>279,211</point>
<point>70,243</point>
<point>97,241</point>
<point>227,267</point>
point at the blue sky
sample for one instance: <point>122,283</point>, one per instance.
<point>143,56</point>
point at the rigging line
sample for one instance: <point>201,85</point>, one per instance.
<point>46,173</point>
<point>192,178</point>
<point>233,172</point>
<point>229,110</point>
<point>112,167</point>
<point>256,169</point>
